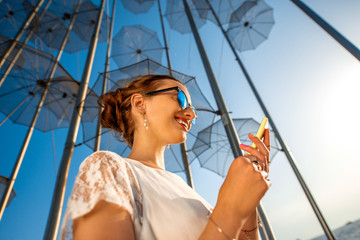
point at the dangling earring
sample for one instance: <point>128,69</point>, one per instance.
<point>168,146</point>
<point>145,123</point>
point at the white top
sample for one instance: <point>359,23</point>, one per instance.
<point>161,204</point>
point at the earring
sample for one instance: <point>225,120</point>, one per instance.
<point>145,123</point>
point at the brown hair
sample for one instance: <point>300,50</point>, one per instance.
<point>116,113</point>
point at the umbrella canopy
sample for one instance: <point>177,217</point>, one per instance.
<point>212,147</point>
<point>133,44</point>
<point>13,14</point>
<point>250,25</point>
<point>176,16</point>
<point>3,47</point>
<point>51,29</point>
<point>173,158</point>
<point>86,20</point>
<point>222,8</point>
<point>138,6</point>
<point>22,90</point>
<point>50,33</point>
<point>3,182</point>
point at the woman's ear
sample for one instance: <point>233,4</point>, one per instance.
<point>138,103</point>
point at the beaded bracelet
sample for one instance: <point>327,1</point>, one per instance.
<point>217,226</point>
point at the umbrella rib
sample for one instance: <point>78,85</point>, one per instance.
<point>28,103</point>
<point>259,33</point>
<point>16,90</point>
<point>152,49</point>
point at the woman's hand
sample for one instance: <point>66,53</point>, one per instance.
<point>244,186</point>
<point>246,182</point>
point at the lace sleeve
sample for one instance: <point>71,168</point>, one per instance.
<point>101,176</point>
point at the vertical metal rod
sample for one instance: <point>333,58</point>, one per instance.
<point>285,148</point>
<point>98,127</point>
<point>21,45</point>
<point>329,29</point>
<point>22,152</point>
<point>164,37</point>
<point>186,165</point>
<point>21,31</point>
<point>53,223</point>
<point>225,117</point>
<point>183,147</point>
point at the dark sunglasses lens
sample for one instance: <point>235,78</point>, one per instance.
<point>182,100</point>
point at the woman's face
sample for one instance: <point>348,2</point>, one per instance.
<point>168,123</point>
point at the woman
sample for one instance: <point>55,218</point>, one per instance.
<point>135,198</point>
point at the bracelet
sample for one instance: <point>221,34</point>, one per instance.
<point>249,231</point>
<point>217,226</point>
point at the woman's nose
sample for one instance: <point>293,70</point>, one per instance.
<point>189,113</point>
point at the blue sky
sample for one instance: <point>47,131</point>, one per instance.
<point>308,82</point>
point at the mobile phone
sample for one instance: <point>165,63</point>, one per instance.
<point>261,130</point>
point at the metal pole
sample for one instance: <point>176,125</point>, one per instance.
<point>53,223</point>
<point>186,165</point>
<point>329,29</point>
<point>182,145</point>
<point>164,37</point>
<point>22,152</point>
<point>18,53</point>
<point>225,117</point>
<point>98,127</point>
<point>21,31</point>
<point>285,148</point>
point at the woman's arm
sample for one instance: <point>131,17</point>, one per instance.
<point>244,186</point>
<point>105,221</point>
<point>250,229</point>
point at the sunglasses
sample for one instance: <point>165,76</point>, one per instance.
<point>181,97</point>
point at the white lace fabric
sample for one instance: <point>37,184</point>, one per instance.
<point>102,176</point>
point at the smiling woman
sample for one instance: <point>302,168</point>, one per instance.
<point>135,198</point>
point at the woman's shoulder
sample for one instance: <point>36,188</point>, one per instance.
<point>104,163</point>
<point>102,157</point>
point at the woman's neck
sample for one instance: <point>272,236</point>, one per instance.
<point>148,153</point>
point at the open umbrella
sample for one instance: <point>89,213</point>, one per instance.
<point>133,44</point>
<point>122,76</point>
<point>222,8</point>
<point>250,25</point>
<point>12,16</point>
<point>212,147</point>
<point>175,14</point>
<point>138,6</point>
<point>86,20</point>
<point>50,31</point>
<point>28,89</point>
<point>24,86</point>
<point>52,27</point>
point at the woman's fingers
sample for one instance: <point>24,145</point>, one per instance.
<point>255,155</point>
<point>266,139</point>
<point>259,144</point>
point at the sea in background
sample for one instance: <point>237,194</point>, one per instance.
<point>351,231</point>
